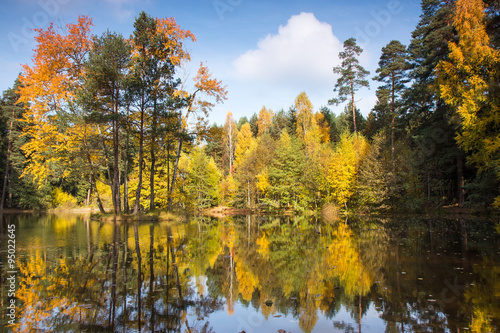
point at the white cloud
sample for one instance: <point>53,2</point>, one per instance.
<point>304,50</point>
<point>119,10</point>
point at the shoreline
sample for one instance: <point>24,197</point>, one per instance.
<point>450,211</point>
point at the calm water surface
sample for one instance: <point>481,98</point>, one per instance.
<point>253,274</point>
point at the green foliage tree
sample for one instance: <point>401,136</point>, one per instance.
<point>392,69</point>
<point>103,95</point>
<point>286,172</point>
<point>375,180</point>
<point>204,178</point>
<point>352,75</point>
<point>427,117</point>
<point>255,159</point>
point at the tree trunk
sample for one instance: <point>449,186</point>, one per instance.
<point>126,206</point>
<point>153,160</point>
<point>393,124</point>
<point>460,180</point>
<point>98,198</point>
<point>89,191</point>
<point>7,162</point>
<point>116,171</point>
<point>176,163</point>
<point>152,181</point>
<point>168,167</point>
<point>141,148</point>
<point>353,107</point>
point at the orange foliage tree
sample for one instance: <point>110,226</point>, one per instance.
<point>48,90</point>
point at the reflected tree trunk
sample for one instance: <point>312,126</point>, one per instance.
<point>139,273</point>
<point>124,264</point>
<point>400,302</point>
<point>176,272</point>
<point>151,276</point>
<point>112,312</point>
<point>360,312</point>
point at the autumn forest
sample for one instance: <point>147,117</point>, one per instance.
<point>112,122</point>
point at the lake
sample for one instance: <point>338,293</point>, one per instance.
<point>251,274</point>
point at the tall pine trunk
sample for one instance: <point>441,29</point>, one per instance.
<point>393,123</point>
<point>353,107</point>
<point>153,160</point>
<point>141,157</point>
<point>116,171</point>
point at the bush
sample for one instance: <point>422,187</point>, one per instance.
<point>62,199</point>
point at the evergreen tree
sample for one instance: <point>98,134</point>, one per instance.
<point>253,124</point>
<point>345,121</point>
<point>431,122</point>
<point>286,172</point>
<point>103,95</point>
<point>393,66</point>
<point>352,76</point>
<point>280,121</point>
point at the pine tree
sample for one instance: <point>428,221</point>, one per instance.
<point>104,97</point>
<point>352,75</point>
<point>393,66</point>
<point>286,172</point>
<point>431,122</point>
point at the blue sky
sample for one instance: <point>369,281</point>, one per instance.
<point>266,52</point>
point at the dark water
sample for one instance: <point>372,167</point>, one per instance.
<point>252,274</point>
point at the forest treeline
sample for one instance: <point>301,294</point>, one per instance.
<point>111,120</point>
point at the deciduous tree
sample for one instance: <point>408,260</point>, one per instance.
<point>469,82</point>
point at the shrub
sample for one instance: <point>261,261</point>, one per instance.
<point>62,199</point>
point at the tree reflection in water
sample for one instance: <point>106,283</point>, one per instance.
<point>409,275</point>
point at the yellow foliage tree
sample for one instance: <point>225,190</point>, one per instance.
<point>343,167</point>
<point>324,128</point>
<point>469,81</point>
<point>264,120</point>
<point>243,144</point>
<point>305,118</point>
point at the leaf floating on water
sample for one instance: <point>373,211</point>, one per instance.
<point>283,331</point>
<point>277,316</point>
<point>268,303</point>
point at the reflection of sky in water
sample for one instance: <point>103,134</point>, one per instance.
<point>303,277</point>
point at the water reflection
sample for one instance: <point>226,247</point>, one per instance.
<point>249,273</point>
